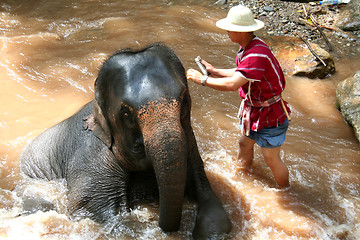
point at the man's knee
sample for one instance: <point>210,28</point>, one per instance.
<point>271,155</point>
<point>246,143</point>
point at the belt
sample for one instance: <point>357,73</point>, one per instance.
<point>245,111</point>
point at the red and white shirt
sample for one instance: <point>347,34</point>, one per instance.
<point>258,64</point>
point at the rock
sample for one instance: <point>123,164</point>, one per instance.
<point>221,2</point>
<point>349,19</point>
<point>262,14</point>
<point>296,59</point>
<point>348,101</point>
<point>268,9</point>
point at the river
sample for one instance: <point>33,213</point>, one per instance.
<point>51,52</point>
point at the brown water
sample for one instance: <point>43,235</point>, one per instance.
<point>50,53</point>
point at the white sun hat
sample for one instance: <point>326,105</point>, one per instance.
<point>240,19</point>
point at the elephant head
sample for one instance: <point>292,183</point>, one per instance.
<point>141,108</point>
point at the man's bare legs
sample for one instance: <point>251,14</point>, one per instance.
<point>246,153</point>
<point>271,157</point>
<point>278,168</point>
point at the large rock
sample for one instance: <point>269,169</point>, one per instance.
<point>349,19</point>
<point>296,59</point>
<point>348,101</point>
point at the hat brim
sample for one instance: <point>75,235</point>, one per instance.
<point>226,25</point>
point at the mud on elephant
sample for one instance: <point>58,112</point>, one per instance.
<point>133,142</point>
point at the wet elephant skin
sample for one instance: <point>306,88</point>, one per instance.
<point>134,142</point>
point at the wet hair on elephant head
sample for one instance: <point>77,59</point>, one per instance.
<point>134,142</point>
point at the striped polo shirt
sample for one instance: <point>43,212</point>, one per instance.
<point>258,64</point>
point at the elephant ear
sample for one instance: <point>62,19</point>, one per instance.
<point>97,123</point>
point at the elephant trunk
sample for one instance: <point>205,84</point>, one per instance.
<point>167,151</point>
<point>165,146</point>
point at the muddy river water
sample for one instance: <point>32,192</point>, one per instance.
<point>50,54</point>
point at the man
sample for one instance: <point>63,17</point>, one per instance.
<point>260,80</point>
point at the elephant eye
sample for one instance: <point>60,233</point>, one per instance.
<point>125,114</point>
<point>126,117</point>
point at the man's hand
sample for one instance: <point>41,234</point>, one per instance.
<point>194,76</point>
<point>208,66</point>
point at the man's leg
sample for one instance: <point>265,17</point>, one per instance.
<point>278,168</point>
<point>246,153</point>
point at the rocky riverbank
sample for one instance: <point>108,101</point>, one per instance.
<point>296,18</point>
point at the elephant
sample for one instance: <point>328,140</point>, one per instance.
<point>133,142</point>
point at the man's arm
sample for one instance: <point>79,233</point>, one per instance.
<point>229,83</point>
<point>216,72</point>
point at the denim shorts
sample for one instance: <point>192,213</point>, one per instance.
<point>271,137</point>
